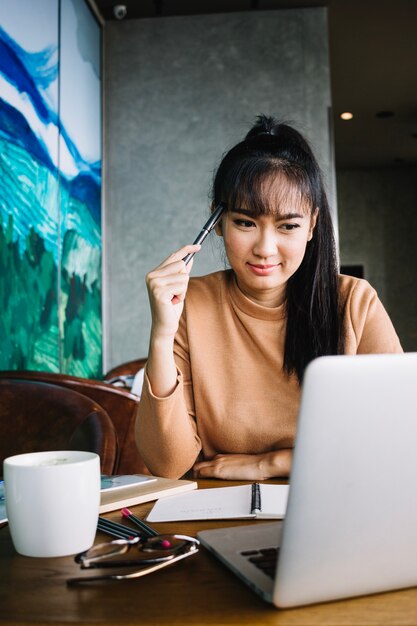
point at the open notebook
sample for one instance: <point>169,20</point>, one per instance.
<point>243,501</point>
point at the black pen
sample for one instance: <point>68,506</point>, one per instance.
<point>149,532</point>
<point>115,529</point>
<point>206,230</point>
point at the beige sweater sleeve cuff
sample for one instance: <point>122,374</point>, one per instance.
<point>177,389</point>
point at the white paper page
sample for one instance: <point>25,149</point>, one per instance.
<point>204,504</point>
<point>273,501</point>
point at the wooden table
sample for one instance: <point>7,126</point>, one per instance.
<point>198,591</point>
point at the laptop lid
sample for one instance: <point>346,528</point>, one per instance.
<point>351,521</point>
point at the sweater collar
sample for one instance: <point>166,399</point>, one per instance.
<point>246,305</point>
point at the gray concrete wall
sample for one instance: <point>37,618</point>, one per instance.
<point>378,228</point>
<point>179,92</point>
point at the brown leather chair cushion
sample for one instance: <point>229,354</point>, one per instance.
<point>119,404</point>
<point>37,416</point>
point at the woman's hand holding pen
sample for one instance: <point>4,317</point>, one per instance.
<point>167,286</point>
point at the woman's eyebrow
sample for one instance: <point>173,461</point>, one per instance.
<point>278,217</point>
<point>243,212</point>
<point>289,216</point>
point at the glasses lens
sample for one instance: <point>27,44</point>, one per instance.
<point>104,551</point>
<point>164,543</point>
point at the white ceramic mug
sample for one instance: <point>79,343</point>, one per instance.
<point>52,501</point>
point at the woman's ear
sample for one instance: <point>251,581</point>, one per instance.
<point>313,222</point>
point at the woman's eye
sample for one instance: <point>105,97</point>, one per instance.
<point>289,226</point>
<point>244,223</point>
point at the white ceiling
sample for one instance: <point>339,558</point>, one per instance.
<point>373,62</point>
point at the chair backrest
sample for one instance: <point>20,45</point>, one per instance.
<point>129,368</point>
<point>120,405</point>
<point>37,416</point>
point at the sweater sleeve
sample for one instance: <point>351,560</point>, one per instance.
<point>368,328</point>
<point>166,431</point>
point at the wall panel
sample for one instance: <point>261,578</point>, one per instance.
<point>179,92</point>
<point>378,218</point>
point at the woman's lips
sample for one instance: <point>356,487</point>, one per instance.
<point>262,270</point>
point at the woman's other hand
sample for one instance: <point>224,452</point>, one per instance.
<point>276,464</point>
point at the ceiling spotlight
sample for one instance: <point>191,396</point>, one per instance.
<point>347,115</point>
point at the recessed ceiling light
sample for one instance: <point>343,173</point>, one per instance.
<point>347,115</point>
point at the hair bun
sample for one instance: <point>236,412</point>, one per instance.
<point>264,125</point>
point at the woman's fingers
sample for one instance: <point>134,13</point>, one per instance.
<point>167,286</point>
<point>164,288</point>
<point>171,275</point>
<point>180,254</point>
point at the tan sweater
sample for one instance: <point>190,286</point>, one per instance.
<point>232,395</point>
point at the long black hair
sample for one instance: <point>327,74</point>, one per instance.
<point>273,149</point>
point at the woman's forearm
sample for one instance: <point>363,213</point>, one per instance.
<point>160,366</point>
<point>276,464</point>
<point>166,435</point>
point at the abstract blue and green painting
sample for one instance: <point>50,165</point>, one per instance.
<point>50,187</point>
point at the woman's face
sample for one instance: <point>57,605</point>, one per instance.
<point>265,251</point>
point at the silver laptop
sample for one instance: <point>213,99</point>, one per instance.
<point>351,522</point>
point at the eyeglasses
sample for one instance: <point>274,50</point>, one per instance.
<point>151,554</point>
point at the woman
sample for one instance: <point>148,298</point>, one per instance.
<point>228,350</point>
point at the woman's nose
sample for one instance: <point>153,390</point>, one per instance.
<point>266,243</point>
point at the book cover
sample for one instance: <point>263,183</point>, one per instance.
<point>129,495</point>
<point>121,481</point>
<point>125,491</point>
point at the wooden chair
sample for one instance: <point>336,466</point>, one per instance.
<point>119,404</point>
<point>37,416</point>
